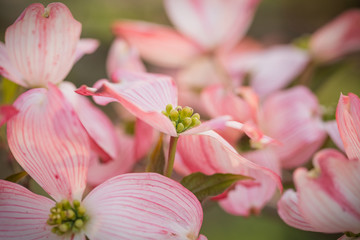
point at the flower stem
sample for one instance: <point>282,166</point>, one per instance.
<point>156,159</point>
<point>171,158</point>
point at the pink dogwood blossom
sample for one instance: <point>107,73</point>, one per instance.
<point>48,140</point>
<point>327,197</point>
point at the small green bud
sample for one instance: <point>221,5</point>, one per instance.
<point>174,123</point>
<point>53,210</point>
<point>180,127</point>
<point>165,113</point>
<point>65,204</point>
<point>55,230</point>
<point>195,122</point>
<point>64,228</point>
<point>196,115</point>
<point>174,115</point>
<point>186,112</point>
<point>187,122</point>
<point>79,223</point>
<point>81,210</point>
<point>169,107</point>
<point>178,108</point>
<point>70,214</point>
<point>76,203</point>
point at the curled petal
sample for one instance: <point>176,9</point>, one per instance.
<point>288,210</point>
<point>96,123</point>
<point>142,206</point>
<point>337,38</point>
<point>7,112</point>
<point>144,95</point>
<point>216,123</point>
<point>293,118</point>
<point>329,200</point>
<point>85,46</point>
<point>158,44</point>
<point>212,22</point>
<point>348,120</point>
<point>49,142</point>
<point>123,56</point>
<point>7,69</point>
<point>42,42</point>
<point>23,214</point>
<point>247,199</point>
<point>209,153</point>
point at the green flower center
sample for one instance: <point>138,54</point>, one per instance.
<point>182,118</point>
<point>67,218</point>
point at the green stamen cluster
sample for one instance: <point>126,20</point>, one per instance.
<point>182,118</point>
<point>66,218</point>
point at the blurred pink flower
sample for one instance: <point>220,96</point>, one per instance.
<point>337,38</point>
<point>327,197</point>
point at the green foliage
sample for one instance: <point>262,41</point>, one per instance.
<point>203,186</point>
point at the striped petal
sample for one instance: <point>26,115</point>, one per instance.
<point>337,38</point>
<point>7,112</point>
<point>7,69</point>
<point>23,214</point>
<point>144,95</point>
<point>209,153</point>
<point>157,44</point>
<point>49,142</point>
<point>296,124</point>
<point>123,56</point>
<point>97,124</point>
<point>41,44</point>
<point>212,22</point>
<point>142,206</point>
<point>348,120</point>
<point>289,212</point>
<point>247,199</point>
<point>329,201</point>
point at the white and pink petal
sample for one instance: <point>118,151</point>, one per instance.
<point>23,214</point>
<point>48,140</point>
<point>41,44</point>
<point>142,206</point>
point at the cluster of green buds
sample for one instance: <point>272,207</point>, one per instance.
<point>182,118</point>
<point>67,218</point>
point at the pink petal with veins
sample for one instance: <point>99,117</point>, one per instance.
<point>158,44</point>
<point>209,153</point>
<point>289,212</point>
<point>247,199</point>
<point>23,214</point>
<point>329,201</point>
<point>293,118</point>
<point>212,22</point>
<point>49,142</point>
<point>7,69</point>
<point>337,38</point>
<point>348,120</point>
<point>41,44</point>
<point>123,56</point>
<point>145,96</point>
<point>7,112</point>
<point>85,46</point>
<point>142,206</point>
<point>97,124</point>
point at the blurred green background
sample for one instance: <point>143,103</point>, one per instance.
<point>276,21</point>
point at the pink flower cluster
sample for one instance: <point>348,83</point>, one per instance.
<point>254,125</point>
